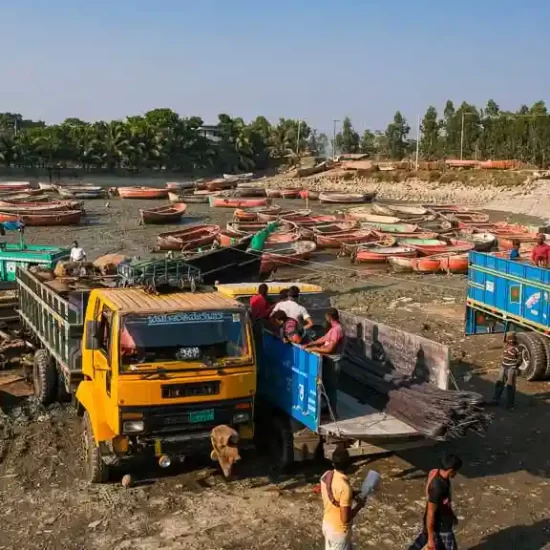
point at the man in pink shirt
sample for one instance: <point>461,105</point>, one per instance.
<point>331,346</point>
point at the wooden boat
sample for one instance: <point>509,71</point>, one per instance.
<point>365,215</point>
<point>455,246</point>
<point>191,199</point>
<point>14,186</point>
<point>206,193</point>
<point>46,186</point>
<point>81,193</point>
<point>190,237</point>
<point>415,235</point>
<point>310,195</point>
<point>228,237</point>
<point>308,221</point>
<point>471,217</point>
<point>180,185</point>
<point>168,213</point>
<point>483,242</point>
<point>453,263</point>
<point>273,193</point>
<point>238,177</point>
<point>37,207</point>
<point>236,202</point>
<point>219,184</point>
<point>142,193</point>
<point>65,217</point>
<point>507,241</point>
<point>426,265</point>
<point>251,214</point>
<point>400,264</point>
<point>346,198</point>
<point>269,217</point>
<point>291,193</point>
<point>249,192</point>
<point>246,228</point>
<point>421,242</point>
<point>287,254</point>
<point>406,211</point>
<point>381,210</point>
<point>337,227</point>
<point>444,207</point>
<point>336,240</point>
<point>381,255</point>
<point>391,227</point>
<point>375,240</point>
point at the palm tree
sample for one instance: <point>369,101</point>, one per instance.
<point>111,143</point>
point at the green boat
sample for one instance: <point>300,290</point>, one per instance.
<point>13,255</point>
<point>391,227</point>
<point>421,242</point>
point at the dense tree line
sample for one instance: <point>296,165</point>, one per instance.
<point>161,139</point>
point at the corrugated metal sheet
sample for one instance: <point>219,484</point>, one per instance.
<point>136,300</point>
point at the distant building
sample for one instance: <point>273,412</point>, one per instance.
<point>211,131</point>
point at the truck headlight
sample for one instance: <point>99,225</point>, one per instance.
<point>241,418</point>
<point>133,426</point>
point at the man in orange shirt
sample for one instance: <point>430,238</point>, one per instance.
<point>337,502</point>
<point>539,256</point>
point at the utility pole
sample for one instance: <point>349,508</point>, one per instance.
<point>462,136</point>
<point>417,141</point>
<point>334,121</point>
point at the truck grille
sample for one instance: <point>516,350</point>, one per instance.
<point>173,419</point>
<point>192,389</point>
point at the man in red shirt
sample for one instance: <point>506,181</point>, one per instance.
<point>539,256</point>
<point>259,304</point>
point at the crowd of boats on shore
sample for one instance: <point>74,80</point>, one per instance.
<point>424,239</point>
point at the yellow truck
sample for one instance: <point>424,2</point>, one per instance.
<point>151,375</point>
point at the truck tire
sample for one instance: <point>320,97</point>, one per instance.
<point>546,344</point>
<point>96,469</point>
<point>533,366</point>
<point>63,396</point>
<point>44,377</point>
<point>281,444</point>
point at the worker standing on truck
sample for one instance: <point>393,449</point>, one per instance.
<point>439,517</point>
<point>77,253</point>
<point>539,256</point>
<point>511,360</point>
<point>290,329</point>
<point>293,309</point>
<point>338,498</point>
<point>514,253</point>
<point>331,346</point>
<point>259,304</point>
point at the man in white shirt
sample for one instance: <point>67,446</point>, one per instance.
<point>293,309</point>
<point>77,253</point>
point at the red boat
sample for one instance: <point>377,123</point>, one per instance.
<point>291,193</point>
<point>169,213</point>
<point>455,247</point>
<point>381,255</point>
<point>227,237</point>
<point>251,214</point>
<point>286,254</point>
<point>507,241</point>
<point>426,265</point>
<point>218,184</point>
<point>270,217</point>
<point>236,202</point>
<point>191,237</point>
<point>62,217</point>
<point>142,193</point>
<point>337,227</point>
<point>308,221</point>
<point>311,195</point>
<point>336,240</point>
<point>14,186</point>
<point>37,207</point>
<point>453,263</point>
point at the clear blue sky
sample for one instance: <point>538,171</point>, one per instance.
<point>315,59</point>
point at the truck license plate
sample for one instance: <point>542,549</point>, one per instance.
<point>201,416</point>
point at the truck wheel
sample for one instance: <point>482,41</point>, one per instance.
<point>281,444</point>
<point>546,343</point>
<point>96,469</point>
<point>533,365</point>
<point>44,377</point>
<point>63,396</point>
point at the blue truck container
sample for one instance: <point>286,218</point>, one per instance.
<point>506,295</point>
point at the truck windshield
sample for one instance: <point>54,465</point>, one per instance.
<point>205,336</point>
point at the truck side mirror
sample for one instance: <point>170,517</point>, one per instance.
<point>92,332</point>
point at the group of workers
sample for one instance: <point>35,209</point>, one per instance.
<point>540,255</point>
<point>294,324</point>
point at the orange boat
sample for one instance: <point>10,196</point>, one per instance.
<point>382,254</point>
<point>307,221</point>
<point>270,217</point>
<point>62,217</point>
<point>169,213</point>
<point>307,194</point>
<point>237,202</point>
<point>286,254</point>
<point>142,193</point>
<point>189,238</point>
<point>453,263</point>
<point>37,207</point>
<point>507,241</point>
<point>426,265</point>
<point>455,247</point>
<point>290,193</point>
<point>251,214</point>
<point>336,240</point>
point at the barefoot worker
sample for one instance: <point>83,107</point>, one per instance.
<point>511,360</point>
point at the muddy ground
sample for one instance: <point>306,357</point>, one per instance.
<point>501,496</point>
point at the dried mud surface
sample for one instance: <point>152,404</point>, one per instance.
<point>502,495</point>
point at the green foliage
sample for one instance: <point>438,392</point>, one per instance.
<point>396,136</point>
<point>347,141</point>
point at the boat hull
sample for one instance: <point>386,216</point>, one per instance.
<point>234,202</point>
<point>163,214</point>
<point>66,217</point>
<point>142,193</point>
